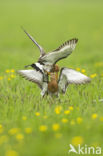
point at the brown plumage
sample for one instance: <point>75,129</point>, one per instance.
<point>53,84</point>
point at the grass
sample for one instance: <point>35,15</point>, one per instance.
<point>30,125</point>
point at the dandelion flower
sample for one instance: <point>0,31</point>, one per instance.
<point>11,153</point>
<point>93,75</point>
<point>24,118</point>
<point>9,78</point>
<point>19,137</point>
<point>12,70</point>
<point>1,77</point>
<point>28,130</point>
<point>77,140</point>
<point>13,131</point>
<point>78,69</point>
<point>58,109</point>
<point>7,71</point>
<point>64,120</point>
<point>43,128</point>
<point>101,118</point>
<point>79,120</point>
<point>94,116</point>
<point>83,70</point>
<point>1,126</point>
<point>37,114</point>
<point>72,122</point>
<point>67,112</point>
<point>55,127</point>
<point>71,108</point>
<point>13,76</point>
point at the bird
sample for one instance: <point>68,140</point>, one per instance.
<point>46,68</point>
<point>56,85</point>
<point>48,60</point>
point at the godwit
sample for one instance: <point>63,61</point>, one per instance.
<point>46,65</point>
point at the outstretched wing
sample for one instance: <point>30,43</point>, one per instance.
<point>40,48</point>
<point>32,75</point>
<point>62,52</point>
<point>71,76</point>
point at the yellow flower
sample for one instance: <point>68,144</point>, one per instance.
<point>11,153</point>
<point>24,118</point>
<point>9,79</point>
<point>12,70</point>
<point>1,126</point>
<point>13,131</point>
<point>83,70</point>
<point>58,135</point>
<point>101,118</point>
<point>70,107</point>
<point>94,116</point>
<point>1,77</point>
<point>77,140</point>
<point>79,120</point>
<point>102,74</point>
<point>64,120</point>
<point>37,114</point>
<point>93,75</point>
<point>58,109</point>
<point>7,71</point>
<point>13,76</point>
<point>72,122</point>
<point>28,130</point>
<point>3,139</point>
<point>19,136</point>
<point>78,69</point>
<point>67,112</point>
<point>43,128</point>
<point>55,127</point>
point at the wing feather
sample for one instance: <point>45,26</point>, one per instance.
<point>62,52</point>
<point>71,76</point>
<point>32,75</point>
<point>34,41</point>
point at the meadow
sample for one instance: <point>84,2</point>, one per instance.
<point>30,125</point>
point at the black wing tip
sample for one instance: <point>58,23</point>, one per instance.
<point>73,39</point>
<point>76,40</point>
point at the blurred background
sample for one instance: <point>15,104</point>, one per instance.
<point>50,23</point>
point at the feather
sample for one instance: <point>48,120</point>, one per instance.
<point>62,52</point>
<point>70,76</point>
<point>33,40</point>
<point>32,75</point>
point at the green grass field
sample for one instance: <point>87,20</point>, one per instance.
<point>29,125</point>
